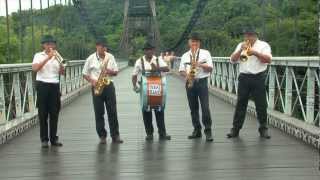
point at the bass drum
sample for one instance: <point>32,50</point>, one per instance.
<point>153,92</point>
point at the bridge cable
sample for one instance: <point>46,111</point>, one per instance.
<point>194,18</point>
<point>85,17</point>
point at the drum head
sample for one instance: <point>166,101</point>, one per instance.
<point>153,92</point>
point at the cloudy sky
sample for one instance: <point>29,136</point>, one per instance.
<point>13,5</point>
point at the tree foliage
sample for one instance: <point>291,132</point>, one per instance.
<point>290,26</point>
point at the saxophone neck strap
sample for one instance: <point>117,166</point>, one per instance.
<point>196,58</point>
<point>142,65</point>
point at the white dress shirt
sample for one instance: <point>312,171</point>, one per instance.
<point>204,57</point>
<point>93,65</point>
<point>253,65</point>
<point>49,73</point>
<point>137,70</point>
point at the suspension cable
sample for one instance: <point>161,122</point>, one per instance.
<point>85,17</point>
<point>194,18</point>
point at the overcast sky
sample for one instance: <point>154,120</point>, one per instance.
<point>13,5</point>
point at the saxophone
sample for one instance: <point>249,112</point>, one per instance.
<point>103,80</point>
<point>193,70</point>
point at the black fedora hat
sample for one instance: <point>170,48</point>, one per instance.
<point>48,39</point>
<point>249,30</point>
<point>148,45</point>
<point>195,36</point>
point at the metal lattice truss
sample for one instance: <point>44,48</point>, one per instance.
<point>139,16</point>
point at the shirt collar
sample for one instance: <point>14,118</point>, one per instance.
<point>153,58</point>
<point>43,53</point>
<point>196,51</point>
<point>98,57</point>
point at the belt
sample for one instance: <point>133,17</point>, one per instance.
<point>201,79</point>
<point>47,83</point>
<point>253,75</point>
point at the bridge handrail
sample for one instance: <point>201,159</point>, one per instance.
<point>292,84</point>
<point>293,93</point>
<point>301,61</point>
<point>18,94</point>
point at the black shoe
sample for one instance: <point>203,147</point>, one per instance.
<point>164,137</point>
<point>264,133</point>
<point>117,140</point>
<point>195,134</point>
<point>149,137</point>
<point>209,137</point>
<point>233,133</point>
<point>56,143</point>
<point>44,144</point>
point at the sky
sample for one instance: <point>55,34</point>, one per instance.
<point>13,5</point>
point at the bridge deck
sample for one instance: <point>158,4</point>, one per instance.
<point>248,157</point>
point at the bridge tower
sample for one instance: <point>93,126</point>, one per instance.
<point>139,20</point>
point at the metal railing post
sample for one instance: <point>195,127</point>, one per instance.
<point>288,91</point>
<point>310,95</point>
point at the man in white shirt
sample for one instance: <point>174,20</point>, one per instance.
<point>92,69</point>
<point>48,70</point>
<point>167,59</point>
<point>172,59</point>
<point>161,57</point>
<point>199,89</point>
<point>251,81</point>
<point>149,62</point>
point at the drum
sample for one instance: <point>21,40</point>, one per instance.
<point>153,92</point>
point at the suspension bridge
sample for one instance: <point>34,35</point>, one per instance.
<point>293,115</point>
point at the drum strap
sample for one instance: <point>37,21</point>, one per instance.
<point>158,66</point>
<point>143,66</point>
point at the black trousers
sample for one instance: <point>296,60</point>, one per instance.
<point>107,100</point>
<point>147,119</point>
<point>251,85</point>
<point>48,103</point>
<point>199,92</point>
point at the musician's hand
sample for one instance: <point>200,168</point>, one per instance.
<point>93,82</point>
<point>51,53</point>
<point>183,74</point>
<point>62,70</point>
<point>252,52</point>
<point>153,67</point>
<point>108,71</point>
<point>201,64</point>
<point>136,89</point>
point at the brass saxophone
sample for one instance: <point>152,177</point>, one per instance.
<point>193,71</point>
<point>103,80</point>
<point>244,54</point>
